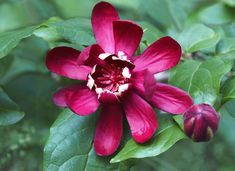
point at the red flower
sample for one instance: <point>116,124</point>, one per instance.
<point>117,80</point>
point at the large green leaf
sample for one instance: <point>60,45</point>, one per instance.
<point>229,2</point>
<point>70,145</point>
<point>226,45</point>
<point>5,64</point>
<point>151,33</point>
<point>217,13</point>
<point>33,91</point>
<point>10,40</point>
<point>229,107</point>
<point>76,30</point>
<point>229,89</point>
<point>9,110</point>
<point>74,8</point>
<point>198,37</point>
<point>200,79</point>
<point>167,135</point>
<point>163,12</point>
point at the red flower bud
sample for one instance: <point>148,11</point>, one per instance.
<point>201,122</point>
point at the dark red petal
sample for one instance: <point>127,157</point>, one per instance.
<point>59,98</point>
<point>90,55</point>
<point>63,61</point>
<point>103,15</point>
<point>200,128</point>
<point>83,101</point>
<point>171,99</point>
<point>163,54</point>
<point>144,83</point>
<point>108,97</point>
<point>109,130</point>
<point>141,118</point>
<point>127,36</point>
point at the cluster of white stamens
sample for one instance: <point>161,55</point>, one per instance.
<point>114,81</point>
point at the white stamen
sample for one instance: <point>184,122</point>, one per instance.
<point>126,73</point>
<point>115,58</point>
<point>122,55</point>
<point>90,82</point>
<point>93,70</point>
<point>98,90</point>
<point>104,55</point>
<point>122,88</point>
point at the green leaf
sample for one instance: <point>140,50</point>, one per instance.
<point>200,79</point>
<point>36,98</point>
<point>227,126</point>
<point>163,12</point>
<point>28,56</point>
<point>151,33</point>
<point>225,45</point>
<point>5,64</point>
<point>167,135</point>
<point>74,8</point>
<point>9,110</point>
<point>198,37</point>
<point>229,89</point>
<point>229,107</point>
<point>179,120</point>
<point>10,40</point>
<point>70,145</point>
<point>229,2</point>
<point>216,14</point>
<point>76,30</point>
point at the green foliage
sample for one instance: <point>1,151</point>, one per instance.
<point>198,37</point>
<point>164,13</point>
<point>10,40</point>
<point>70,145</point>
<point>229,89</point>
<point>216,14</point>
<point>9,111</point>
<point>226,45</point>
<point>201,79</point>
<point>167,135</point>
<point>229,2</point>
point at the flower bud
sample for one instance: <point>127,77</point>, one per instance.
<point>201,122</point>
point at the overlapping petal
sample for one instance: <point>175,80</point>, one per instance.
<point>163,54</point>
<point>83,101</point>
<point>144,83</point>
<point>60,97</point>
<point>109,130</point>
<point>102,19</point>
<point>171,99</point>
<point>90,55</point>
<point>63,61</point>
<point>127,36</point>
<point>141,118</point>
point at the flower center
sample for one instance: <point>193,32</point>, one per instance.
<point>111,76</point>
